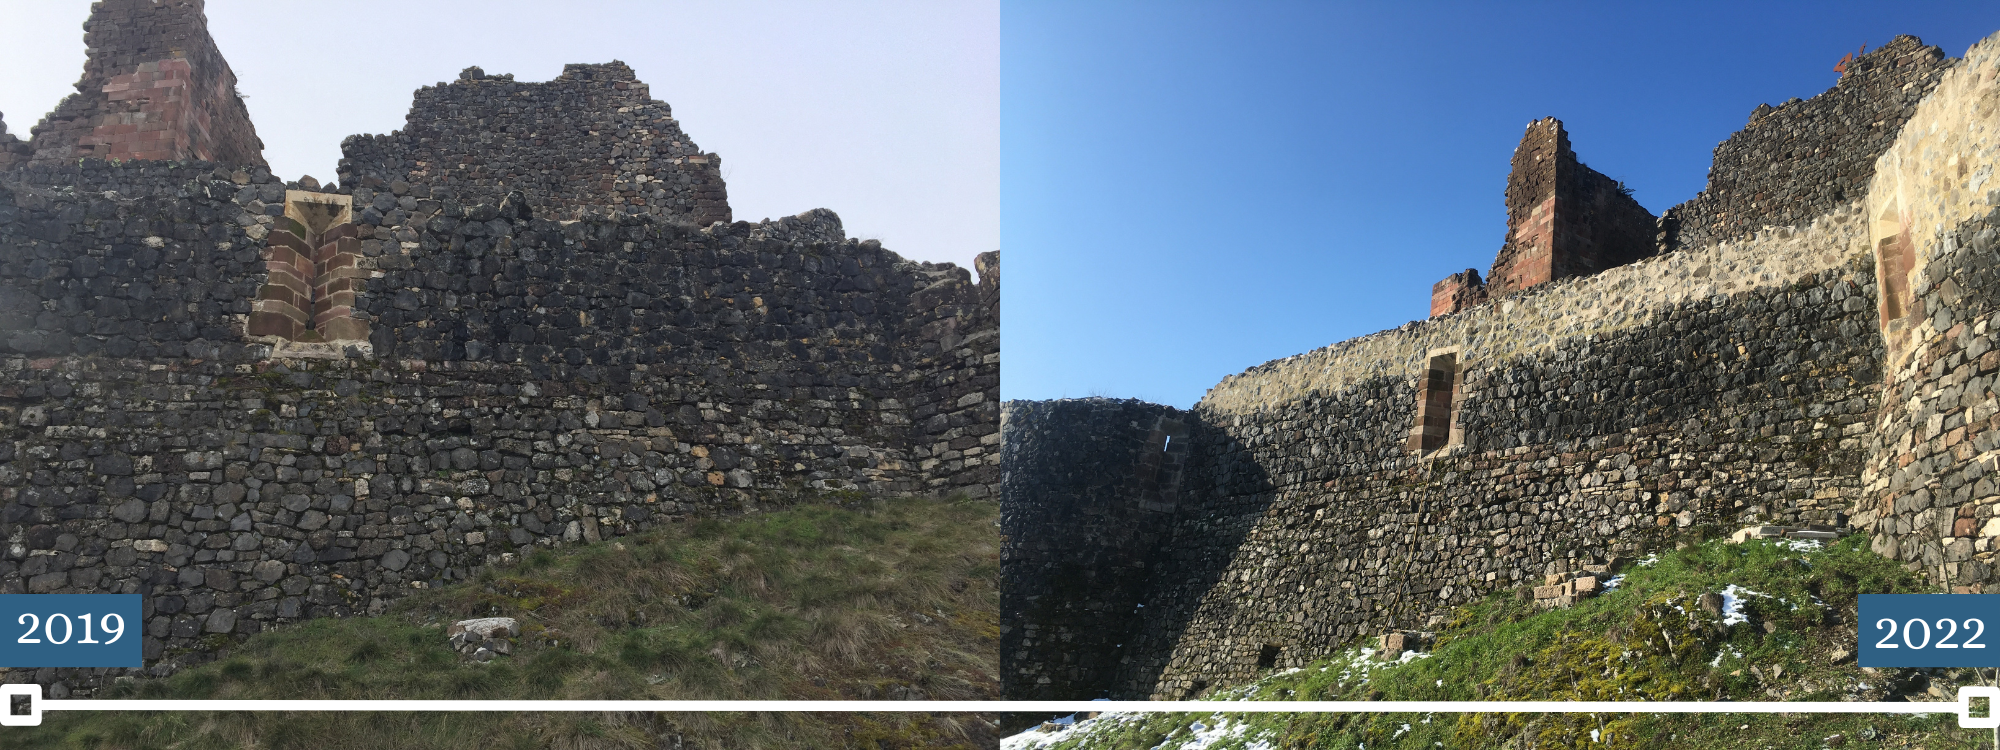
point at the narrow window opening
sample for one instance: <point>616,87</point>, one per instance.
<point>313,257</point>
<point>1895,282</point>
<point>1166,446</point>
<point>1268,656</point>
<point>1436,396</point>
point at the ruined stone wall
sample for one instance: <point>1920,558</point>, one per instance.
<point>1088,501</point>
<point>1597,224</point>
<point>1745,380</point>
<point>1930,495</point>
<point>1306,523</point>
<point>1525,257</point>
<point>14,152</point>
<point>1533,323</point>
<point>593,138</point>
<point>1599,415</point>
<point>527,382</point>
<point>1799,160</point>
<point>154,87</point>
<point>1564,219</point>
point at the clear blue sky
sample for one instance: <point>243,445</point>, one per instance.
<point>1191,189</point>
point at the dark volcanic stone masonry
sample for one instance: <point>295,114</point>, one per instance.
<point>1804,158</point>
<point>13,150</point>
<point>1939,505</point>
<point>591,138</point>
<point>1091,489</point>
<point>533,324</point>
<point>1307,524</point>
<point>532,382</point>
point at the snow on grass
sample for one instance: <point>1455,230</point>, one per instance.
<point>1732,603</point>
<point>1214,730</point>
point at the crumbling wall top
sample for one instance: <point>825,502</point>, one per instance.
<point>154,87</point>
<point>590,140</point>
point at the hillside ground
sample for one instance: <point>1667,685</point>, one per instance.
<point>870,599</point>
<point>1785,631</point>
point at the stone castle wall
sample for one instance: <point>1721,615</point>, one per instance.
<point>527,382</point>
<point>1929,487</point>
<point>1307,523</point>
<point>14,152</point>
<point>1564,219</point>
<point>1078,543</point>
<point>154,87</point>
<point>592,138</point>
<point>1735,381</point>
<point>1801,159</point>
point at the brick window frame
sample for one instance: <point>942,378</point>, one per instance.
<point>312,256</point>
<point>1895,259</point>
<point>1439,391</point>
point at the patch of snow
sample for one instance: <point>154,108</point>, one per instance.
<point>1732,603</point>
<point>1611,584</point>
<point>1650,560</point>
<point>1593,735</point>
<point>1802,545</point>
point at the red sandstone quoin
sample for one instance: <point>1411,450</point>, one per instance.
<point>1564,219</point>
<point>154,88</point>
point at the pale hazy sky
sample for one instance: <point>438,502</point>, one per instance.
<point>886,111</point>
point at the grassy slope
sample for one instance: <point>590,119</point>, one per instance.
<point>1648,639</point>
<point>883,600</point>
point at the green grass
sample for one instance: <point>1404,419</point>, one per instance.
<point>893,599</point>
<point>1648,639</point>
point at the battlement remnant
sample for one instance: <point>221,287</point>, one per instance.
<point>591,138</point>
<point>1806,157</point>
<point>1564,219</point>
<point>154,87</point>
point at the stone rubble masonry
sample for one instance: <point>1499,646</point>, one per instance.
<point>525,383</point>
<point>14,152</point>
<point>1091,487</point>
<point>1748,380</point>
<point>1564,219</point>
<point>593,138</point>
<point>1457,292</point>
<point>1930,498</point>
<point>256,401</point>
<point>1567,588</point>
<point>1534,322</point>
<point>154,87</point>
<point>1804,158</point>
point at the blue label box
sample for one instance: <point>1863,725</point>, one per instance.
<point>1929,630</point>
<point>71,630</point>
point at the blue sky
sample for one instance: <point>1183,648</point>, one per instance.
<point>1191,189</point>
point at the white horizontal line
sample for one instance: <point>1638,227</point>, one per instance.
<point>1660,707</point>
